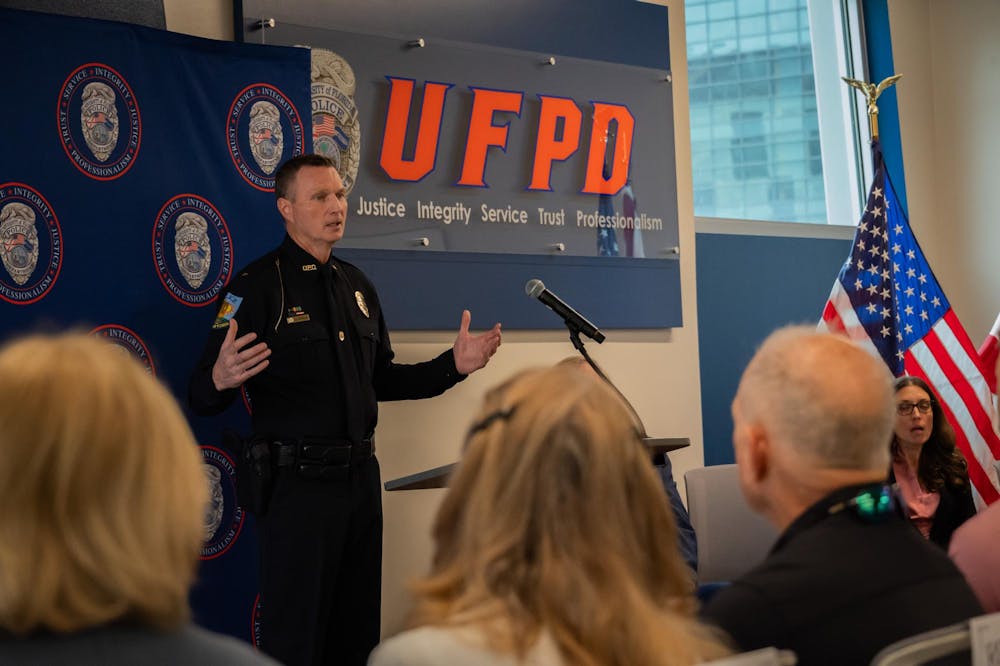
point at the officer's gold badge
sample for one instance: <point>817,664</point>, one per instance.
<point>361,303</point>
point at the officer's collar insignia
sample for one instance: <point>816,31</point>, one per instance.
<point>361,303</point>
<point>308,267</point>
<point>295,315</point>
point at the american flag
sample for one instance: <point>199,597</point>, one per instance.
<point>607,242</point>
<point>989,351</point>
<point>324,124</point>
<point>887,298</point>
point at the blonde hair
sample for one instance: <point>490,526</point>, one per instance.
<point>103,490</point>
<point>556,521</point>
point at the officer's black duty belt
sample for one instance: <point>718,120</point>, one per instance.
<point>320,458</point>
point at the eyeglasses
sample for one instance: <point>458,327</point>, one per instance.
<point>906,407</point>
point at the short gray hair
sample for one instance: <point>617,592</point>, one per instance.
<point>821,397</point>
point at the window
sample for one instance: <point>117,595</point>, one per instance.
<point>749,148</point>
<point>759,150</point>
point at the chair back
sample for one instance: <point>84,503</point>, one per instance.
<point>732,539</point>
<point>768,656</point>
<point>976,641</point>
<point>947,645</point>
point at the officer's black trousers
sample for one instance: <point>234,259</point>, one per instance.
<point>321,568</point>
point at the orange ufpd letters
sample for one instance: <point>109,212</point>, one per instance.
<point>550,146</point>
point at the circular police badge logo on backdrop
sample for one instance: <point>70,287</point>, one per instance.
<point>129,341</point>
<point>263,129</point>
<point>336,129</point>
<point>255,623</point>
<point>192,250</point>
<point>30,244</point>
<point>99,123</point>
<point>223,515</point>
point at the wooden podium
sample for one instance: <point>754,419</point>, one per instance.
<point>438,476</point>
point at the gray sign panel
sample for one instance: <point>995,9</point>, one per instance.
<point>462,202</point>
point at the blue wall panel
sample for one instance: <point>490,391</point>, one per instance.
<point>494,288</point>
<point>747,287</point>
<point>623,31</point>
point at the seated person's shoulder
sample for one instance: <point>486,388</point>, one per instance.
<point>426,645</point>
<point>746,613</point>
<point>431,646</point>
<point>205,647</point>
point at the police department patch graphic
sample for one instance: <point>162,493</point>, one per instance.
<point>99,123</point>
<point>336,129</point>
<point>263,129</point>
<point>20,251</point>
<point>223,515</point>
<point>129,341</point>
<point>192,249</point>
<point>30,244</point>
<point>227,310</point>
<point>266,138</point>
<point>216,502</point>
<point>99,119</point>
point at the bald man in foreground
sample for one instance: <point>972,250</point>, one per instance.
<point>812,418</point>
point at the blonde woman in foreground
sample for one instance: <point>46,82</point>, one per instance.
<point>555,543</point>
<point>102,511</point>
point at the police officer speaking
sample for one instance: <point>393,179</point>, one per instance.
<point>304,332</point>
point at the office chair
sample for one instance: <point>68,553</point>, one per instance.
<point>732,539</point>
<point>768,656</point>
<point>947,645</point>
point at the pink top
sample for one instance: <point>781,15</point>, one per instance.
<point>919,504</point>
<point>974,549</point>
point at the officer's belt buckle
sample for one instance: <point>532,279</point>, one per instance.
<point>323,454</point>
<point>321,459</point>
<point>283,454</point>
<point>322,472</point>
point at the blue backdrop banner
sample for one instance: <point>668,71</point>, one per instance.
<point>137,176</point>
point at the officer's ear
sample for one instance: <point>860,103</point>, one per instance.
<point>285,208</point>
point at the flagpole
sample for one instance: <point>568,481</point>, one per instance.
<point>871,92</point>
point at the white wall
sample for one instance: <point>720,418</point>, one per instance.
<point>949,54</point>
<point>204,18</point>
<point>657,370</point>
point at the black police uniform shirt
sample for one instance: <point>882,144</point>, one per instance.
<point>282,297</point>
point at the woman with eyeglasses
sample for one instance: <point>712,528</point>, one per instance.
<point>930,474</point>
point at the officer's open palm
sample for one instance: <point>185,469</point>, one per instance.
<point>237,362</point>
<point>474,351</point>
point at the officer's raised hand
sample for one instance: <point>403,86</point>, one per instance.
<point>474,351</point>
<point>235,364</point>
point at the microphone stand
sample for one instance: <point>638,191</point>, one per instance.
<point>574,337</point>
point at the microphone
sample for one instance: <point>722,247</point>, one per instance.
<point>574,320</point>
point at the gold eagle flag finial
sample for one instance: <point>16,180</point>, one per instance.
<point>872,92</point>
